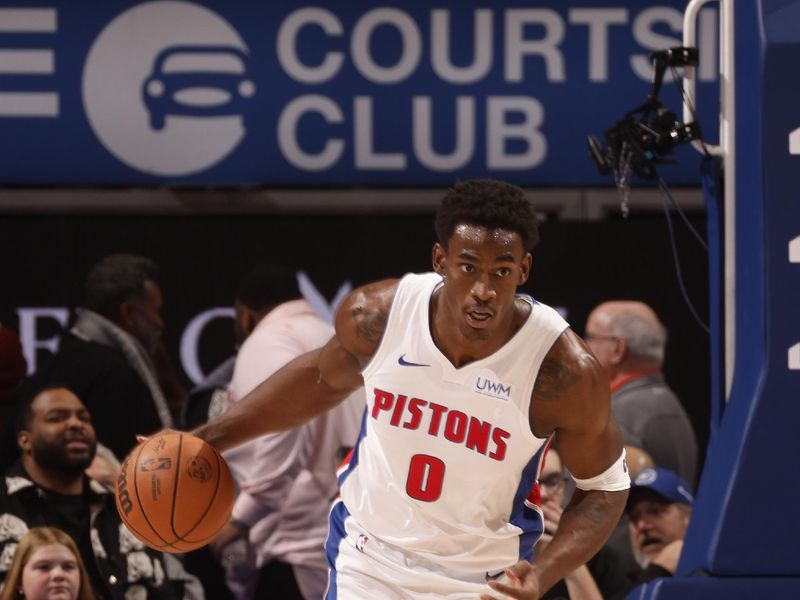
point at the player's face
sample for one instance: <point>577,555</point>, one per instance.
<point>60,435</point>
<point>482,269</point>
<point>654,523</point>
<point>51,573</point>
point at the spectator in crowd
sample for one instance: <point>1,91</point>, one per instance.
<point>104,468</point>
<point>258,293</point>
<point>107,356</point>
<point>47,486</point>
<point>287,479</point>
<point>208,398</point>
<point>629,340</point>
<point>12,370</point>
<point>260,290</point>
<point>659,509</point>
<point>620,541</point>
<point>604,576</point>
<point>47,566</point>
<point>638,461</point>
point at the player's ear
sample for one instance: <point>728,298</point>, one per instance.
<point>438,258</point>
<point>525,268</point>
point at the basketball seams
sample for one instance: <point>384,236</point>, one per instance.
<point>146,514</point>
<point>210,502</point>
<point>193,544</point>
<point>178,538</point>
<point>139,502</point>
<point>176,479</point>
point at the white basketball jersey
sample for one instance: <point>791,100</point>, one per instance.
<point>446,459</point>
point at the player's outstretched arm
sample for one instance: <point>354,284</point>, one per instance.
<point>571,397</point>
<point>313,382</point>
<point>294,394</point>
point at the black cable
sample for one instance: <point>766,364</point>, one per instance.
<point>676,77</point>
<point>677,264</point>
<point>665,190</point>
<point>666,193</point>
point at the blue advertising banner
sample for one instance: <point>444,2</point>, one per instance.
<point>342,93</point>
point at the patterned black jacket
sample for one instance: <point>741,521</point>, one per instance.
<point>130,570</point>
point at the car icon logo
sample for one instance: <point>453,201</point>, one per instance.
<point>197,81</point>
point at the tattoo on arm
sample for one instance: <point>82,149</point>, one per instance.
<point>592,507</point>
<point>554,378</point>
<point>370,324</point>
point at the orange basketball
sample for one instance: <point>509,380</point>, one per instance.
<point>174,492</point>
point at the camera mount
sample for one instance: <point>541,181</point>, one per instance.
<point>649,133</point>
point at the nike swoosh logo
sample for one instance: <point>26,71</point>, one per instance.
<point>404,363</point>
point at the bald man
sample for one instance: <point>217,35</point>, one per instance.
<point>628,339</point>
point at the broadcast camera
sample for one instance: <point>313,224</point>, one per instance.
<point>648,133</point>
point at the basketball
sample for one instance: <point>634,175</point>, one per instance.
<point>174,492</point>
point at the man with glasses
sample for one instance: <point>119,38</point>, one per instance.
<point>628,340</point>
<point>604,576</point>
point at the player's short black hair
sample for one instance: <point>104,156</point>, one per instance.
<point>266,285</point>
<point>488,203</point>
<point>115,279</point>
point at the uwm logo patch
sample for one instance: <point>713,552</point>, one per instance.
<point>488,384</point>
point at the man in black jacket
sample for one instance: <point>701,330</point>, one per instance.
<point>47,486</point>
<point>107,357</point>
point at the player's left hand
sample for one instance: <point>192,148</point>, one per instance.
<point>520,582</point>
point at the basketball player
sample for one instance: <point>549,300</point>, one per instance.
<point>467,383</point>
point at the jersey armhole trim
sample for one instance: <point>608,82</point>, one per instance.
<point>388,330</point>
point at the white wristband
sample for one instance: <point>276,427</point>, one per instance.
<point>613,479</point>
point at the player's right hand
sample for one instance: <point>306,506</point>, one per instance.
<point>520,582</point>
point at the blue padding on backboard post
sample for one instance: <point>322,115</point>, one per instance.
<point>712,588</point>
<point>745,521</point>
<point>714,198</point>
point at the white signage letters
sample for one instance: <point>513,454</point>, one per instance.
<point>644,34</point>
<point>29,319</point>
<point>499,130</point>
<point>599,21</point>
<point>482,41</point>
<point>532,40</point>
<point>423,135</point>
<point>794,141</point>
<point>190,340</point>
<point>287,133</point>
<point>517,46</point>
<point>411,48</point>
<point>287,48</point>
